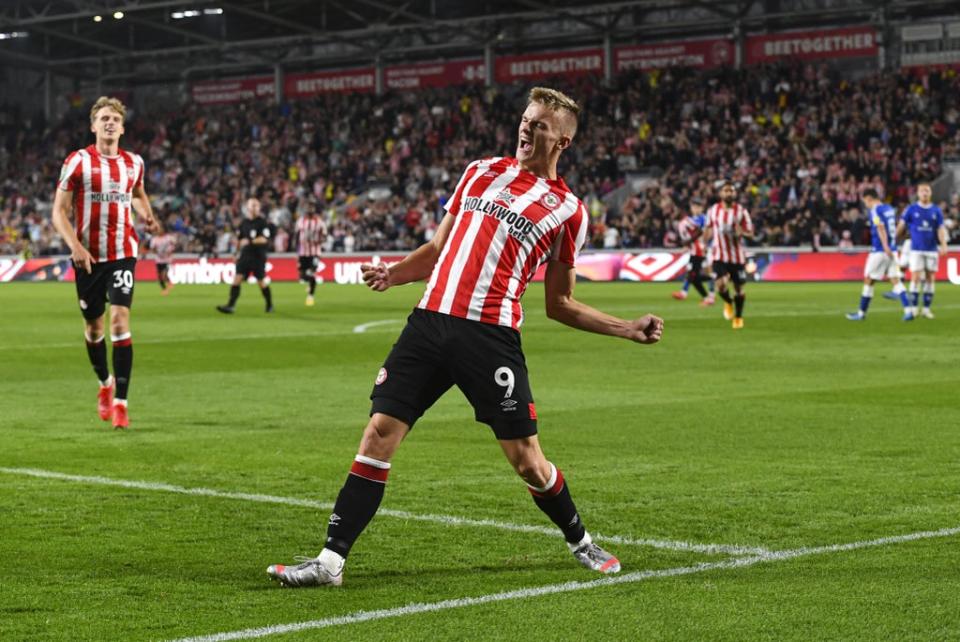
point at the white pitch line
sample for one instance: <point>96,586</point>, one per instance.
<point>372,324</point>
<point>448,520</point>
<point>567,587</point>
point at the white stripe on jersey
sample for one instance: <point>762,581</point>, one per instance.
<point>123,209</point>
<point>492,259</point>
<point>87,189</point>
<point>104,208</point>
<point>481,168</point>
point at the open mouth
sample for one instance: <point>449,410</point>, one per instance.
<point>525,146</point>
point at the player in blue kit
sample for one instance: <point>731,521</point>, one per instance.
<point>928,240</point>
<point>881,263</point>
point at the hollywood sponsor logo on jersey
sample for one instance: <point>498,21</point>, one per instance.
<point>520,226</point>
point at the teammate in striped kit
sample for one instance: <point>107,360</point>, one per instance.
<point>506,217</point>
<point>881,262</point>
<point>311,230</point>
<point>727,223</point>
<point>691,230</point>
<point>928,242</point>
<point>163,246</point>
<point>102,186</point>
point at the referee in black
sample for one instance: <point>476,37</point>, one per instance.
<point>254,237</point>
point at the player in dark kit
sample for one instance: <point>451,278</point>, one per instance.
<point>255,234</point>
<point>506,217</point>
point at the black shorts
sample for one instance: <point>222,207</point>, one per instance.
<point>436,351</point>
<point>249,263</point>
<point>735,271</point>
<point>696,263</point>
<point>162,267</point>
<point>111,280</point>
<point>307,266</point>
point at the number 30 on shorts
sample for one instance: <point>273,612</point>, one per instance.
<point>122,278</point>
<point>505,379</point>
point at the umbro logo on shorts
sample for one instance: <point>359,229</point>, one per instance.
<point>381,376</point>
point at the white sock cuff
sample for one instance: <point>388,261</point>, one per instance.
<point>929,287</point>
<point>120,402</point>
<point>119,337</point>
<point>583,542</point>
<point>332,561</point>
<point>868,290</point>
<point>86,335</point>
<point>914,287</point>
<point>370,461</point>
<point>550,482</point>
<point>898,288</point>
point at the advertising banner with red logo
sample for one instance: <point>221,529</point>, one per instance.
<point>343,81</point>
<point>558,63</point>
<point>441,74</point>
<point>812,45</point>
<point>221,92</point>
<point>649,265</point>
<point>699,54</point>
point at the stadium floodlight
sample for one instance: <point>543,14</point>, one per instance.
<point>118,15</point>
<point>10,35</point>
<point>177,15</point>
<point>213,12</point>
<point>98,18</point>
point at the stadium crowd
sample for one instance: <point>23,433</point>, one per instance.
<point>801,141</point>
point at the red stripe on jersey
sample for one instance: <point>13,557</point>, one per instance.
<point>367,471</point>
<point>453,246</point>
<point>79,196</point>
<point>113,212</point>
<point>470,273</point>
<point>129,233</point>
<point>96,186</point>
<point>500,282</point>
<point>457,198</point>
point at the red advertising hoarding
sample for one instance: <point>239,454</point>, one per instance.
<point>441,74</point>
<point>699,54</point>
<point>648,265</point>
<point>812,45</point>
<point>221,92</point>
<point>342,81</point>
<point>558,63</point>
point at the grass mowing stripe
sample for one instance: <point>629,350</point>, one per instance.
<point>449,520</point>
<point>567,587</point>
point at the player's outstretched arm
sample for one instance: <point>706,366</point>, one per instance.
<point>562,307</point>
<point>416,266</point>
<point>61,222</point>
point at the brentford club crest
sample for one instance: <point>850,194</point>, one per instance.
<point>381,376</point>
<point>550,201</point>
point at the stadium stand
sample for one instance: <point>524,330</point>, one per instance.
<point>801,140</point>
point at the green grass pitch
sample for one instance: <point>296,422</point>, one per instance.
<point>803,430</point>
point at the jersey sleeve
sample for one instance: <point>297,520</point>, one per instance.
<point>746,223</point>
<point>707,220</point>
<point>141,169</point>
<point>938,216</point>
<point>70,173</point>
<point>455,201</point>
<point>573,234</point>
<point>908,216</point>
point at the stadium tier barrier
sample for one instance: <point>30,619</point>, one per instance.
<point>767,264</point>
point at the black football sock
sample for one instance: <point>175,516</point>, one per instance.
<point>267,296</point>
<point>161,281</point>
<point>697,283</point>
<point>555,501</point>
<point>357,503</point>
<point>97,351</point>
<point>725,295</point>
<point>739,300</point>
<point>313,285</point>
<point>234,295</point>
<point>122,363</point>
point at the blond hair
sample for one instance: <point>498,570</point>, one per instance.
<point>107,101</point>
<point>556,101</point>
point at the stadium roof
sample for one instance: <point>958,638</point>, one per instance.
<point>157,40</point>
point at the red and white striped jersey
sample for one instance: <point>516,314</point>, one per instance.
<point>163,247</point>
<point>728,224</point>
<point>691,231</point>
<point>508,223</point>
<point>102,189</point>
<point>311,231</point>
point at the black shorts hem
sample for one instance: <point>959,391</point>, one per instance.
<point>517,429</point>
<point>394,408</point>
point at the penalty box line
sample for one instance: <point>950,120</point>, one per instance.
<point>567,587</point>
<point>448,520</point>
